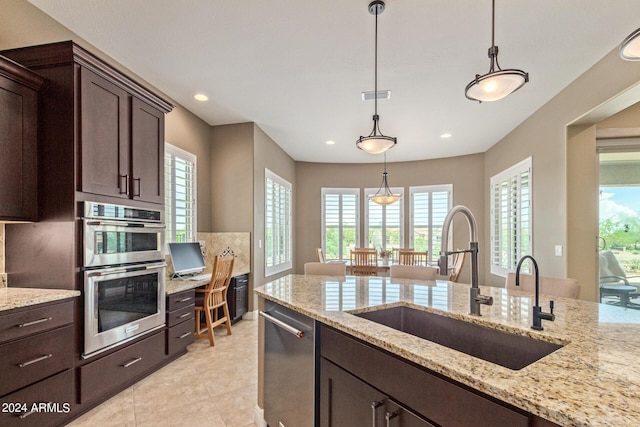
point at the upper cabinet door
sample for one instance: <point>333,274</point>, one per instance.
<point>104,136</point>
<point>147,152</point>
<point>18,142</point>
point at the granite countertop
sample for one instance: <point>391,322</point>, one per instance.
<point>174,286</point>
<point>592,381</point>
<point>11,298</point>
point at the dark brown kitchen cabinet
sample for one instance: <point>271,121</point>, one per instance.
<point>401,384</point>
<point>238,297</point>
<point>180,322</point>
<point>147,152</point>
<point>346,401</point>
<point>18,141</point>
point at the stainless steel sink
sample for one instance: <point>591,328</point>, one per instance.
<point>499,347</point>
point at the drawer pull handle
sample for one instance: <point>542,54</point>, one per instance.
<point>26,414</point>
<point>36,360</point>
<point>133,362</point>
<point>185,299</point>
<point>186,334</point>
<point>34,322</point>
<point>374,411</point>
<point>390,416</point>
<point>182,316</point>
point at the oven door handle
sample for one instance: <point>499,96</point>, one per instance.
<point>127,270</point>
<point>125,224</point>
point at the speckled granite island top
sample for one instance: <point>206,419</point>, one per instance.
<point>594,380</point>
<point>11,298</point>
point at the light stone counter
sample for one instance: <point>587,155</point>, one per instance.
<point>174,286</point>
<point>594,380</point>
<point>11,298</point>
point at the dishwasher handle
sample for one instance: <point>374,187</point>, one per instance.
<point>298,333</point>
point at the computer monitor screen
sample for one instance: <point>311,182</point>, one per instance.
<point>186,258</point>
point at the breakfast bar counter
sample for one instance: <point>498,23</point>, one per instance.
<point>592,380</point>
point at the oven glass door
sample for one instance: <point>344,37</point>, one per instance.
<point>122,303</point>
<point>114,243</point>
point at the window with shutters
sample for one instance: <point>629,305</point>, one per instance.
<point>180,195</point>
<point>340,221</point>
<point>384,225</point>
<point>511,222</point>
<point>278,218</point>
<point>429,206</point>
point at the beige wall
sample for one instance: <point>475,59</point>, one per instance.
<point>543,136</point>
<point>311,177</point>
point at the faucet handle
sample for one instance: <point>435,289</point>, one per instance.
<point>551,306</point>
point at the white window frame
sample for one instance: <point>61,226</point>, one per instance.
<point>370,192</point>
<point>286,257</point>
<point>340,192</point>
<point>429,189</point>
<point>170,218</point>
<point>512,177</point>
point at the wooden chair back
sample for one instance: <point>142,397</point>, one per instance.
<point>208,300</point>
<point>560,287</point>
<point>220,278</point>
<point>411,257</point>
<point>395,254</point>
<point>321,257</point>
<point>458,265</point>
<point>364,262</point>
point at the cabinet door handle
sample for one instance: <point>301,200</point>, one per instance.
<point>126,184</point>
<point>36,360</point>
<point>34,322</point>
<point>186,334</point>
<point>374,411</point>
<point>137,194</point>
<point>133,362</point>
<point>390,416</point>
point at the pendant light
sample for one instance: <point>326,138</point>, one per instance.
<point>376,142</point>
<point>497,83</point>
<point>630,47</point>
<point>384,196</point>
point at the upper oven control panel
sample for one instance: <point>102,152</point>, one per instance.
<point>107,211</point>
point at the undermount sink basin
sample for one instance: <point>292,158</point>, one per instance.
<point>499,347</point>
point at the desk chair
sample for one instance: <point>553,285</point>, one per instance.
<point>326,268</point>
<point>565,288</point>
<point>412,272</point>
<point>364,262</point>
<point>208,300</point>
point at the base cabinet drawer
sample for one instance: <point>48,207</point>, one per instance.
<point>42,404</point>
<point>181,300</point>
<point>124,366</point>
<point>36,357</point>
<point>34,320</point>
<point>180,315</point>
<point>180,336</point>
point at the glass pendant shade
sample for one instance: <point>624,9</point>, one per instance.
<point>384,196</point>
<point>630,47</point>
<point>496,85</point>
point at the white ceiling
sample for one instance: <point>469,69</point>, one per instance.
<point>297,67</point>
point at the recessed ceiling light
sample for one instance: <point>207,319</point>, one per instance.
<point>330,142</point>
<point>201,97</point>
<point>445,135</point>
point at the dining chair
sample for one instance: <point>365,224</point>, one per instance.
<point>326,268</point>
<point>395,254</point>
<point>411,257</point>
<point>321,257</point>
<point>214,296</point>
<point>559,287</point>
<point>412,272</point>
<point>364,262</point>
<point>458,264</point>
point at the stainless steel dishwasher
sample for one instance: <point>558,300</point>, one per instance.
<point>290,359</point>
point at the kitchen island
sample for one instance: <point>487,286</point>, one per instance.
<point>592,380</point>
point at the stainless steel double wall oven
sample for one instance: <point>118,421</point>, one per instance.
<point>124,274</point>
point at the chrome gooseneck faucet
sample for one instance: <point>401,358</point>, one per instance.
<point>538,314</point>
<point>475,299</point>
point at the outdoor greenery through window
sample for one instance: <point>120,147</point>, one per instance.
<point>384,223</point>
<point>510,201</point>
<point>180,195</point>
<point>278,218</point>
<point>429,206</point>
<point>340,221</point>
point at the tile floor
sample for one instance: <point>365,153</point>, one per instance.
<point>208,386</point>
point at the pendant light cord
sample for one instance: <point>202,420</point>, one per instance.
<point>493,22</point>
<point>375,67</point>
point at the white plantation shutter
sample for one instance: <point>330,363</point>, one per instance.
<point>511,224</point>
<point>384,223</point>
<point>340,221</point>
<point>180,195</point>
<point>278,218</point>
<point>429,206</point>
